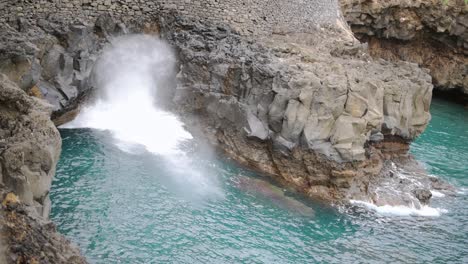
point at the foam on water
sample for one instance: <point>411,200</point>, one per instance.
<point>400,210</point>
<point>437,194</point>
<point>128,75</point>
<point>113,205</point>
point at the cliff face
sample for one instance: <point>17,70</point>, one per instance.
<point>29,151</point>
<point>313,110</point>
<point>51,61</point>
<point>30,146</point>
<point>431,33</point>
<point>307,105</point>
<point>253,17</point>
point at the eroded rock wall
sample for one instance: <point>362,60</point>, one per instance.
<point>49,47</point>
<point>310,108</point>
<point>50,61</point>
<point>314,110</point>
<point>30,147</point>
<point>431,33</point>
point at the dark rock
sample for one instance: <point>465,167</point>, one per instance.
<point>438,184</point>
<point>423,195</point>
<point>376,137</point>
<point>55,60</point>
<point>298,119</point>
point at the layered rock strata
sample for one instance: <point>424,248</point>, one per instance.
<point>431,33</point>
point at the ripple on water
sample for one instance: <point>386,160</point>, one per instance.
<point>120,208</point>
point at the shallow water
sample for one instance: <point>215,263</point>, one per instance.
<point>137,207</point>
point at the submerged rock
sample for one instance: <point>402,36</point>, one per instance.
<point>272,193</point>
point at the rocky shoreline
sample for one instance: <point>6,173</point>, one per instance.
<point>268,104</point>
<point>316,110</point>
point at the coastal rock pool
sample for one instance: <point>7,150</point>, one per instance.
<point>139,207</point>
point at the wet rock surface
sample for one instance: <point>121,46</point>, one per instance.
<point>403,179</point>
<point>313,110</point>
<point>430,33</point>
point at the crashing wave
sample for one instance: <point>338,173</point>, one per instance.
<point>400,210</point>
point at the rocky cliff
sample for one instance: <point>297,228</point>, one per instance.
<point>51,60</point>
<point>431,33</point>
<point>308,106</point>
<point>303,103</point>
<point>29,151</point>
<point>313,110</point>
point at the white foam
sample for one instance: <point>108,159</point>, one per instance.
<point>401,210</point>
<point>127,75</point>
<point>437,194</point>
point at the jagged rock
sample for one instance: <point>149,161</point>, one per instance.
<point>56,59</point>
<point>314,110</point>
<point>339,111</point>
<point>30,147</point>
<point>25,238</point>
<point>256,127</point>
<point>423,195</point>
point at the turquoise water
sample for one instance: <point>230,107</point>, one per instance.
<point>122,207</point>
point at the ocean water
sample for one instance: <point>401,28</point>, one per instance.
<point>125,204</point>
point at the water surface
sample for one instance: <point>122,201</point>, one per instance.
<point>137,207</point>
